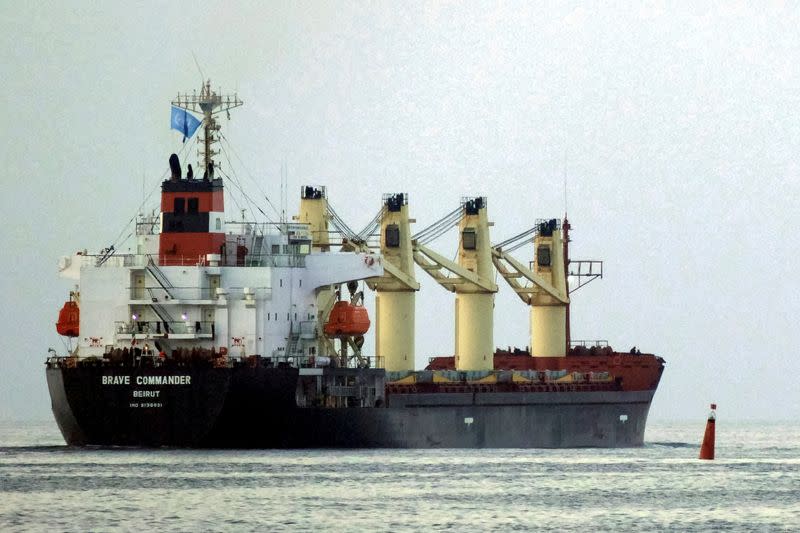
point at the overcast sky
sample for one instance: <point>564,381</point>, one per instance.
<point>678,121</point>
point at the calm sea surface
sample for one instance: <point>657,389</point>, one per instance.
<point>753,485</point>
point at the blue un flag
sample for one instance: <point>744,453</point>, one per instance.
<point>185,123</point>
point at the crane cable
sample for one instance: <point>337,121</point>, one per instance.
<point>340,224</point>
<point>116,243</point>
<point>517,241</point>
<point>440,227</point>
<point>250,175</point>
<point>236,182</point>
<point>371,226</point>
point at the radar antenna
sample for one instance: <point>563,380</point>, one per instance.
<point>209,103</point>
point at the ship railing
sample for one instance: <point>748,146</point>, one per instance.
<point>494,377</point>
<point>333,361</point>
<point>177,293</point>
<point>245,228</point>
<point>601,343</point>
<point>352,361</point>
<point>366,361</point>
<point>157,294</point>
<point>160,328</point>
<point>55,361</point>
<point>347,391</point>
<point>296,260</point>
<point>115,260</point>
<point>297,232</point>
<point>148,224</point>
<point>244,292</point>
<point>308,329</point>
<point>71,361</point>
<point>300,361</point>
<point>145,355</point>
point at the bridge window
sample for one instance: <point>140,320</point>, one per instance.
<point>194,203</point>
<point>179,206</point>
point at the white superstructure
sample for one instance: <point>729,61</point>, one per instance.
<point>265,305</point>
<point>200,285</point>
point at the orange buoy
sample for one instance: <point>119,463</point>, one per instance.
<point>347,320</point>
<point>69,320</point>
<point>707,448</point>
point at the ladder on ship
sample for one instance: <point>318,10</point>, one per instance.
<point>292,342</point>
<point>159,309</point>
<point>166,285</point>
<point>159,276</point>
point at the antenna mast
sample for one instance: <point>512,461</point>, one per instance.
<point>209,103</point>
<point>565,181</point>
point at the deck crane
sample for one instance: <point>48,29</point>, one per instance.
<point>396,290</point>
<point>544,285</point>
<point>470,278</point>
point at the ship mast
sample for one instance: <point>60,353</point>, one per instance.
<point>209,103</point>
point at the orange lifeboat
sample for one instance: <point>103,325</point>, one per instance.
<point>69,319</point>
<point>347,320</point>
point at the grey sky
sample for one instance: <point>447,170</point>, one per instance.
<point>679,121</point>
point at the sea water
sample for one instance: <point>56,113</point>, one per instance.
<point>754,484</point>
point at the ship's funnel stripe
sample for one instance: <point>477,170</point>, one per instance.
<point>185,223</point>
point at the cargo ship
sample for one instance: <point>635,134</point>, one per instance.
<point>220,333</point>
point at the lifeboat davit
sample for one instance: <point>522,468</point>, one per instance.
<point>69,319</point>
<point>347,320</point>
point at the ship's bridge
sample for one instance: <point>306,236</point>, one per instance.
<point>265,244</point>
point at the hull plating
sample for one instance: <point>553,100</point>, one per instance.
<point>255,408</point>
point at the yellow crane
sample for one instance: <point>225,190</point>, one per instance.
<point>396,290</point>
<point>470,278</point>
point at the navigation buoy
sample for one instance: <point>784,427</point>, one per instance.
<point>707,448</point>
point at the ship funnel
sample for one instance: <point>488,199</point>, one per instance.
<point>192,215</point>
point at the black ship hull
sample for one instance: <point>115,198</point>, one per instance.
<point>244,407</point>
